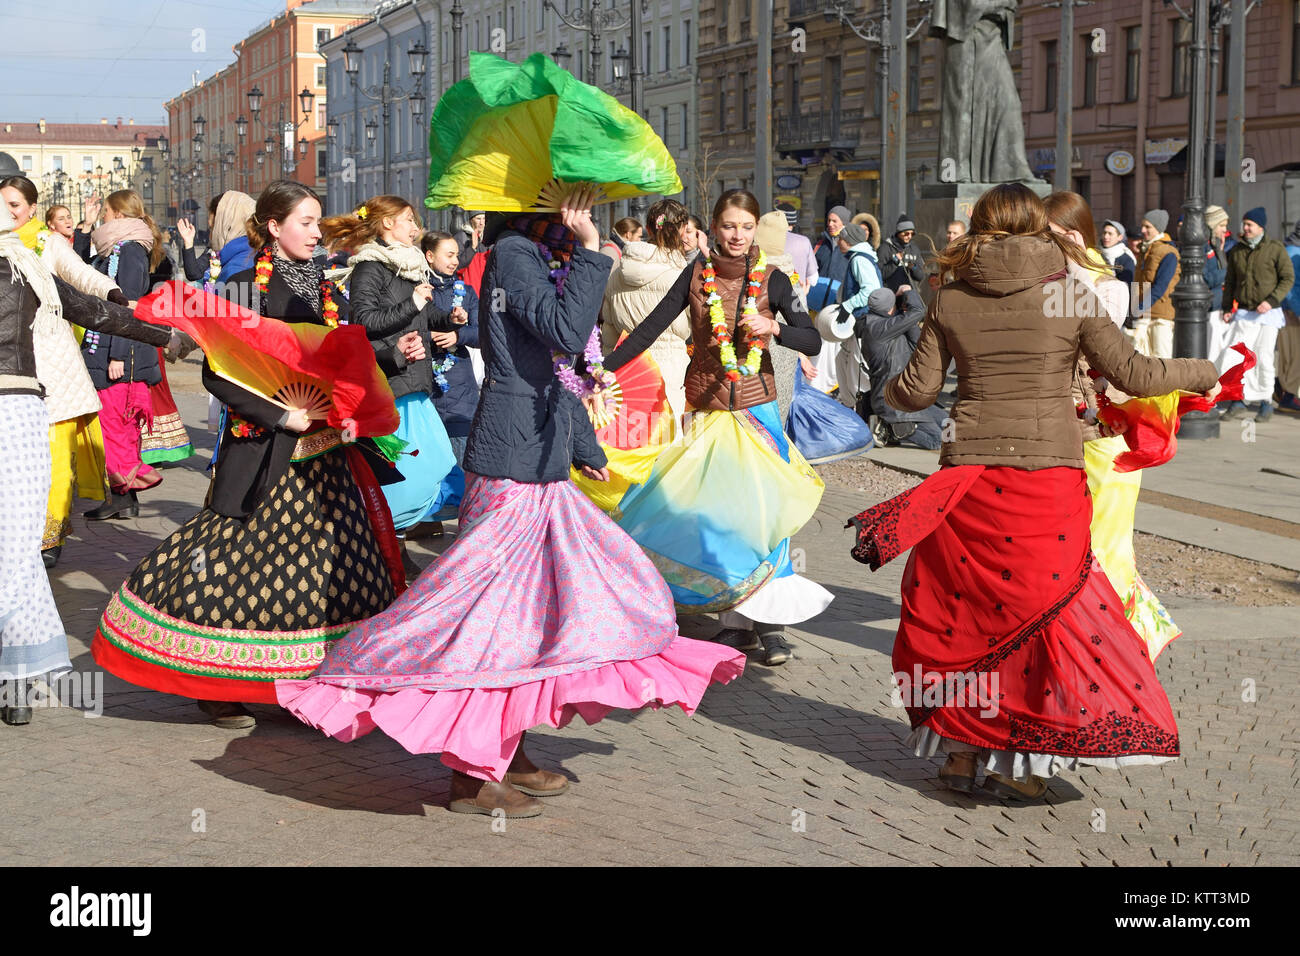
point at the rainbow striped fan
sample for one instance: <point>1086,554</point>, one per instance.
<point>518,137</point>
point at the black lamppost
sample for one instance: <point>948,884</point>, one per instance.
<point>276,130</point>
<point>1191,297</point>
<point>387,92</point>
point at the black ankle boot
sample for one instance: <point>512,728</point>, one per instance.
<point>116,506</point>
<point>19,712</point>
<point>51,555</point>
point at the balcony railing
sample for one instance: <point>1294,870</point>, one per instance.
<point>808,8</point>
<point>818,129</point>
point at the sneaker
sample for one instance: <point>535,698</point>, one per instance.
<point>741,640</point>
<point>775,649</point>
<point>1232,410</point>
<point>1265,412</point>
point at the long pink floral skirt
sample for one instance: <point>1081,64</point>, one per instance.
<point>541,610</point>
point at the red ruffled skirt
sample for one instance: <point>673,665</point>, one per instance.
<point>1011,637</point>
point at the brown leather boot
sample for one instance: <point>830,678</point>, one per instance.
<point>471,795</point>
<point>526,776</point>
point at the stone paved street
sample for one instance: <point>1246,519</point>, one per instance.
<point>801,764</point>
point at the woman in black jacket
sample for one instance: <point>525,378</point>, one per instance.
<point>389,293</point>
<point>542,609</point>
<point>294,545</point>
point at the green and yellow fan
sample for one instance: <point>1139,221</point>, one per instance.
<point>519,137</point>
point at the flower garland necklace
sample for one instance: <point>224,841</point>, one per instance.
<point>214,270</point>
<point>262,279</point>
<point>596,380</point>
<point>718,320</point>
<point>442,365</point>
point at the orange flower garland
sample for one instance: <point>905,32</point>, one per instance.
<point>718,320</point>
<point>262,278</point>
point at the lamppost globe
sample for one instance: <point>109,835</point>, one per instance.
<point>261,157</point>
<point>255,101</point>
<point>561,55</point>
<point>199,124</point>
<point>269,143</point>
<point>620,63</point>
<point>135,153</point>
<point>241,126</point>
<point>305,99</point>
<point>332,128</point>
<point>417,104</point>
<point>351,57</point>
<point>163,144</point>
<point>372,128</point>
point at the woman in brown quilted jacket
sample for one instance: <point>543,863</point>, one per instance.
<point>1013,653</point>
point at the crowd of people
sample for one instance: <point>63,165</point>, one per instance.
<point>291,583</point>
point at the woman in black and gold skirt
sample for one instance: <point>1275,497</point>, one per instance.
<point>295,544</point>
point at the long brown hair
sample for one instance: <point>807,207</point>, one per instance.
<point>352,231</point>
<point>276,202</point>
<point>736,199</point>
<point>1072,213</point>
<point>127,202</point>
<point>1010,209</point>
<point>23,185</point>
<point>668,233</point>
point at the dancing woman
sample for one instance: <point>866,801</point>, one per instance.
<point>1013,652</point>
<point>389,294</point>
<point>737,484</point>
<point>71,400</point>
<point>294,545</point>
<point>1114,494</point>
<point>542,609</point>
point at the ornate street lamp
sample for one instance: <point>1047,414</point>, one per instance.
<point>261,157</point>
<point>416,57</point>
<point>163,144</point>
<point>255,101</point>
<point>332,129</point>
<point>619,60</point>
<point>371,129</point>
<point>561,55</point>
<point>351,58</point>
<point>305,99</point>
<point>241,126</point>
<point>199,124</point>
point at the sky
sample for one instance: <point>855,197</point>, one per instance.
<point>75,61</point>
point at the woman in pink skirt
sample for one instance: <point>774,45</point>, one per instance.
<point>543,608</point>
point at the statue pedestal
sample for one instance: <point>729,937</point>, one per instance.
<point>941,203</point>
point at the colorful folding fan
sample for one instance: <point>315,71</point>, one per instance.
<point>330,372</point>
<point>515,137</point>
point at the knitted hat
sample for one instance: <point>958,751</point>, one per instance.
<point>1257,216</point>
<point>1216,216</point>
<point>904,224</point>
<point>771,232</point>
<point>842,212</point>
<point>1158,218</point>
<point>881,301</point>
<point>852,233</point>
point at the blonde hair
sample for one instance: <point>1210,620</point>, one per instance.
<point>127,203</point>
<point>352,231</point>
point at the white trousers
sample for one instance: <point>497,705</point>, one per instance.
<point>1154,337</point>
<point>1260,338</point>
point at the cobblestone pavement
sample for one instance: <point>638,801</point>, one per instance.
<point>793,765</point>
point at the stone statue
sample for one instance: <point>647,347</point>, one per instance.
<point>981,131</point>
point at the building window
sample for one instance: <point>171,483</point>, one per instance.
<point>913,77</point>
<point>87,164</point>
<point>723,9</point>
<point>27,164</point>
<point>743,82</point>
<point>663,123</point>
<point>1295,42</point>
<point>58,164</point>
<point>1127,199</point>
<point>1089,72</point>
<point>541,16</point>
<point>1132,62</point>
<point>609,63</point>
<point>322,117</point>
<point>645,52</point>
<point>686,41</point>
<point>834,84</point>
<point>321,164</point>
<point>666,50</point>
<point>510,22</point>
<point>320,74</point>
<point>1049,76</point>
<point>792,88</point>
<point>719,109</point>
<point>323,35</point>
<point>686,127</point>
<point>1182,33</point>
<point>1083,186</point>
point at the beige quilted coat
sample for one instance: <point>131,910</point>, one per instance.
<point>639,280</point>
<point>59,366</point>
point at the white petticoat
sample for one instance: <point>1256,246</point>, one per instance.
<point>1017,764</point>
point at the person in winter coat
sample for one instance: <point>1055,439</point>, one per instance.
<point>643,276</point>
<point>1258,280</point>
<point>128,246</point>
<point>455,388</point>
<point>470,235</point>
<point>390,294</point>
<point>1114,249</point>
<point>888,335</point>
<point>901,262</point>
<point>625,230</point>
<point>832,264</point>
<point>863,275</point>
<point>1216,270</point>
<point>1157,274</point>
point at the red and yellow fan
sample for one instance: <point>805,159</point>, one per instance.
<point>331,373</point>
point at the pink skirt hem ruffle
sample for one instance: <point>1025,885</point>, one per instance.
<point>478,729</point>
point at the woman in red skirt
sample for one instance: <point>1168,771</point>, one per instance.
<point>1013,654</point>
